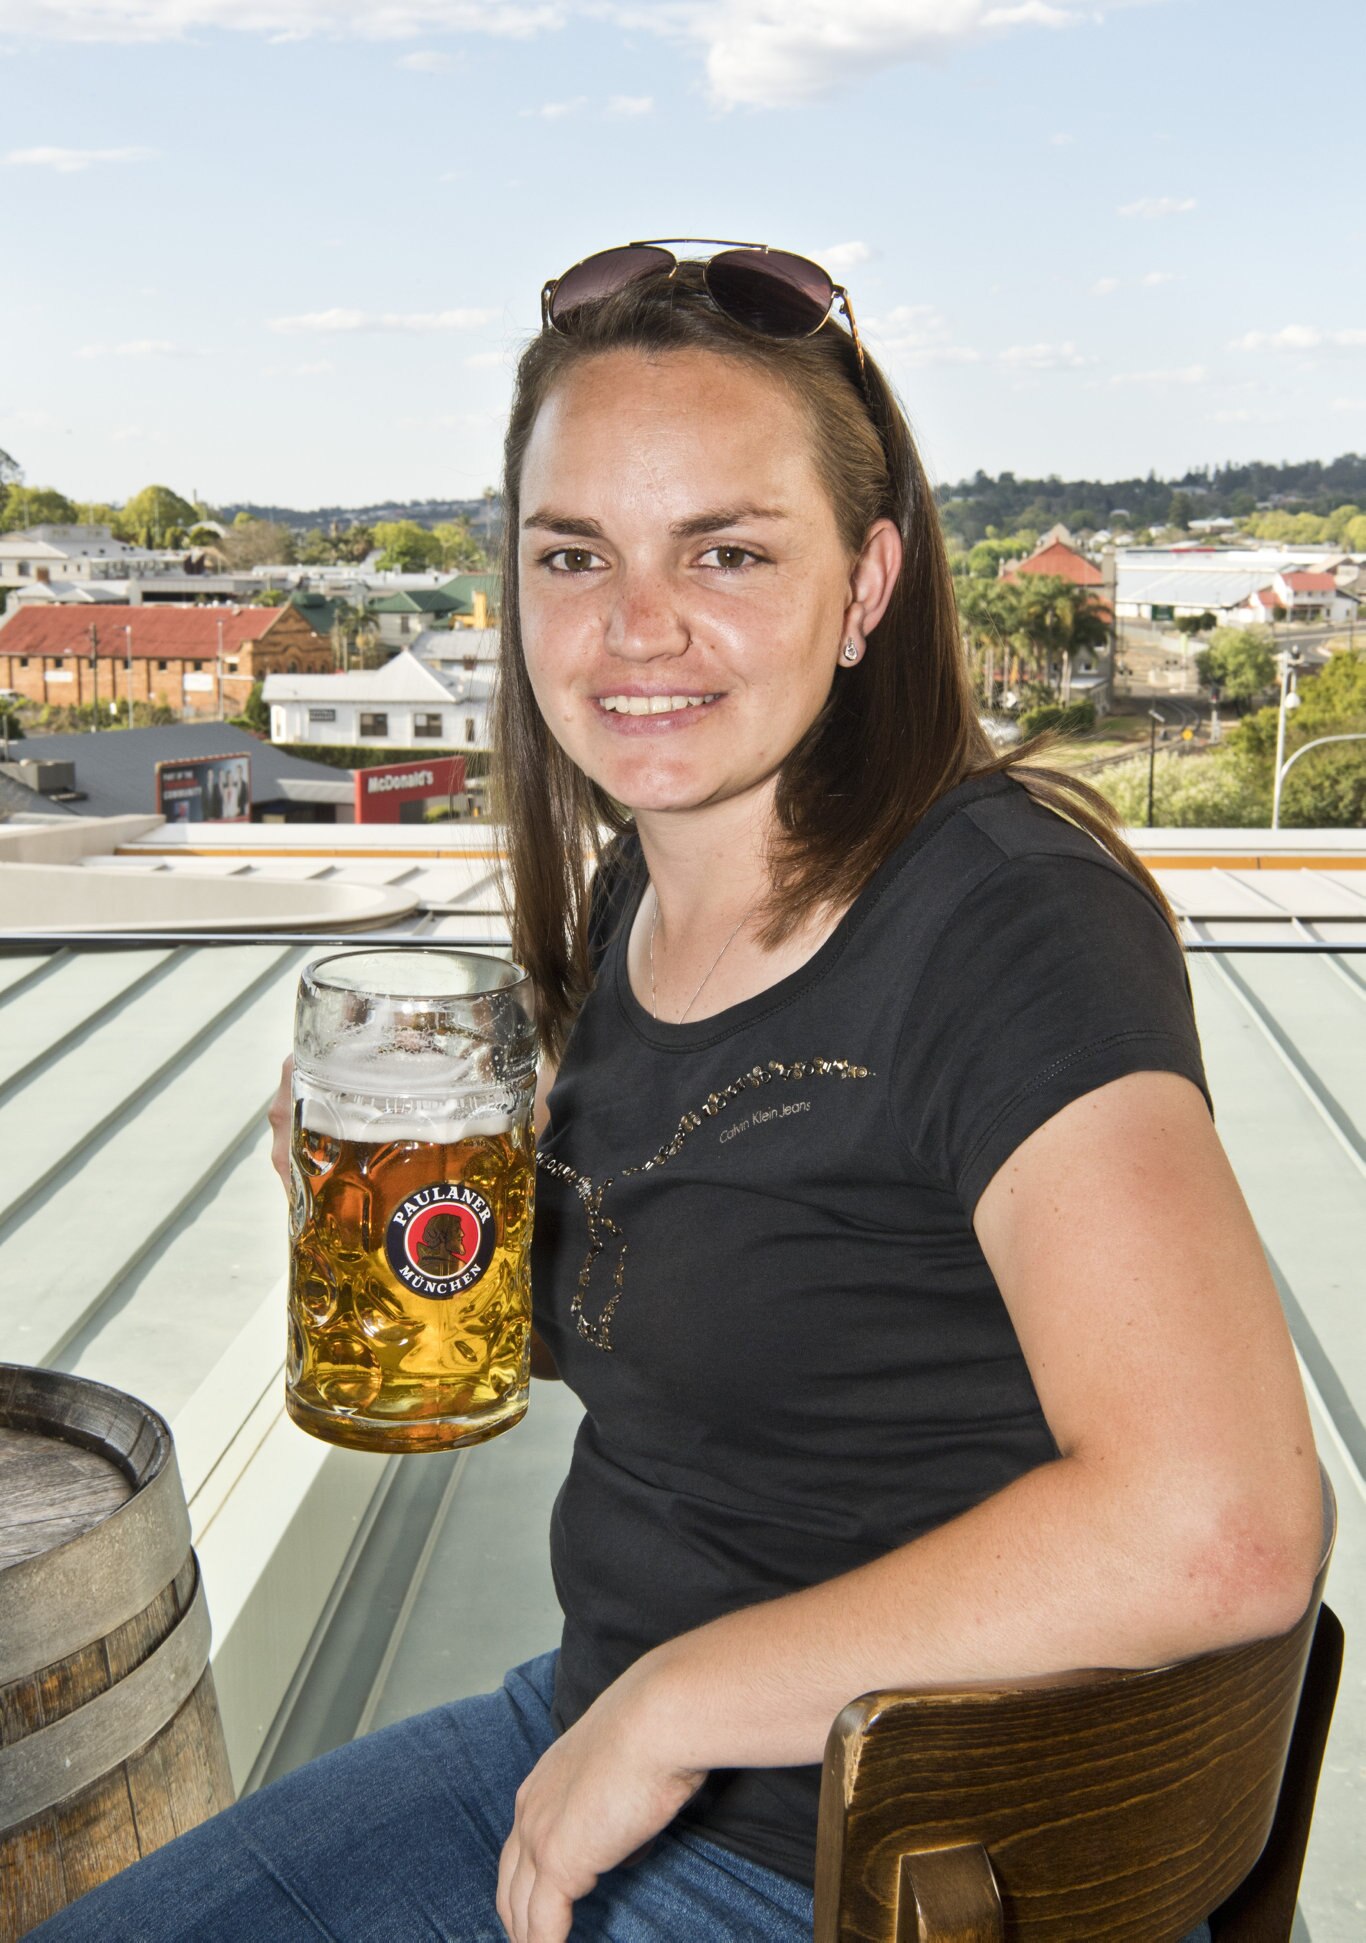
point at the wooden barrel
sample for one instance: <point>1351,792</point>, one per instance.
<point>110,1740</point>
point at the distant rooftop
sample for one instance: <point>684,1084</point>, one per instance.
<point>116,769</point>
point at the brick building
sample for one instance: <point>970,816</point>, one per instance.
<point>181,657</point>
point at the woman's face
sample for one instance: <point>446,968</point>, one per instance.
<point>685,592</point>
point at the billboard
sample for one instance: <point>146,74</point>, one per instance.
<point>384,795</point>
<point>205,789</point>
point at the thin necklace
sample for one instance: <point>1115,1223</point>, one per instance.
<point>654,926</point>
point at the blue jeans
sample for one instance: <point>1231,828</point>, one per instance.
<point>395,1839</point>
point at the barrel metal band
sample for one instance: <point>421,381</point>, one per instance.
<point>57,1761</point>
<point>59,1601</point>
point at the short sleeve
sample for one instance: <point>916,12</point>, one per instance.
<point>1054,975</point>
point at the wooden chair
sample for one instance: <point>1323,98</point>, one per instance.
<point>1096,1805</point>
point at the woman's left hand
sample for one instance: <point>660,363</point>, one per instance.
<point>592,1801</point>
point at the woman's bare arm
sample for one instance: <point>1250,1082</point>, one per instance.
<point>1182,1513</point>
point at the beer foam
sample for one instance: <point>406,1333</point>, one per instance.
<point>369,1089</point>
<point>374,1121</point>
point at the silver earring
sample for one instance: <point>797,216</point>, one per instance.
<point>849,652</point>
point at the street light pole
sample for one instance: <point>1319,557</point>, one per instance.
<point>94,679</point>
<point>220,669</point>
<point>1289,660</point>
<point>128,668</point>
<point>1152,758</point>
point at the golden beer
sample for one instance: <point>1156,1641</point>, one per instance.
<point>413,1175</point>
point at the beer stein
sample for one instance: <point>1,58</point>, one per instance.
<point>413,1169</point>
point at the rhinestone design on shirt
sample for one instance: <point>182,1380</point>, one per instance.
<point>601,1226</point>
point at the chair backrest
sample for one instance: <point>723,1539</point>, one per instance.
<point>1093,1805</point>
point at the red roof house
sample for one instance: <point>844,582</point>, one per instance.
<point>186,658</point>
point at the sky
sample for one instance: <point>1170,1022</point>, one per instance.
<point>285,250</point>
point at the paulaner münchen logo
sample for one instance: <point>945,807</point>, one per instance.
<point>440,1241</point>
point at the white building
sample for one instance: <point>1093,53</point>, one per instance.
<point>74,553</point>
<point>404,705</point>
<point>1297,596</point>
<point>1165,583</point>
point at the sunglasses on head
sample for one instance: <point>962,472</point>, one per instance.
<point>768,291</point>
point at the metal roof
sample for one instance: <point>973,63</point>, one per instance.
<point>133,1083</point>
<point>401,679</point>
<point>132,1089</point>
<point>116,769</point>
<point>1188,587</point>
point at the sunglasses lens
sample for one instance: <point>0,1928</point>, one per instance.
<point>604,274</point>
<point>771,292</point>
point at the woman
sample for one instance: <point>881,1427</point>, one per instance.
<point>882,1227</point>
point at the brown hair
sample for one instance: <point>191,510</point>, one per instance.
<point>898,730</point>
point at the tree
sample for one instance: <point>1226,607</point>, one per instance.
<point>149,516</point>
<point>27,506</point>
<point>1056,620</point>
<point>1189,792</point>
<point>1239,661</point>
<point>256,543</point>
<point>356,543</point>
<point>987,611</point>
<point>11,472</point>
<point>460,551</point>
<point>255,715</point>
<point>1180,510</point>
<point>406,547</point>
<point>98,512</point>
<point>1189,624</point>
<point>315,549</point>
<point>1354,539</point>
<point>1337,523</point>
<point>984,559</point>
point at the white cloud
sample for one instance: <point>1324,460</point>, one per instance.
<point>1154,277</point>
<point>427,61</point>
<point>757,53</point>
<point>783,53</point>
<point>1348,405</point>
<point>1300,337</point>
<point>556,110</point>
<point>1061,141</point>
<point>1151,209</point>
<point>917,334</point>
<point>840,257</point>
<point>487,360</point>
<point>629,106</point>
<point>274,20</point>
<point>1185,374</point>
<point>1042,357</point>
<point>70,161</point>
<point>363,320</point>
<point>1105,287</point>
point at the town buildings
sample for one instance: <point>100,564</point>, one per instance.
<point>406,704</point>
<point>198,661</point>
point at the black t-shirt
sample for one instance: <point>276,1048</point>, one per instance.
<point>754,1258</point>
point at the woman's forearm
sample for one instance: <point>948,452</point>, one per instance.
<point>1062,1569</point>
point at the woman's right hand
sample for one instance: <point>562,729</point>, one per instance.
<point>281,1115</point>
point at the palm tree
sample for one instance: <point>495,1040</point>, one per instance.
<point>1054,620</point>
